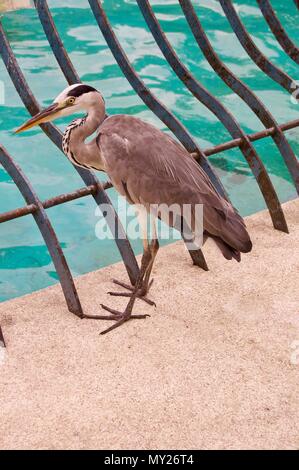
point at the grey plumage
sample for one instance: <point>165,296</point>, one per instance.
<point>148,167</point>
<point>156,169</point>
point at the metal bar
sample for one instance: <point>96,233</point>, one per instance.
<point>17,213</point>
<point>277,29</point>
<point>62,198</point>
<point>65,63</point>
<point>224,116</point>
<point>198,258</point>
<point>55,135</point>
<point>242,90</point>
<point>88,190</point>
<point>54,201</point>
<point>55,42</point>
<point>252,137</point>
<point>2,341</point>
<point>274,72</point>
<point>148,98</point>
<point>47,231</point>
<point>23,89</point>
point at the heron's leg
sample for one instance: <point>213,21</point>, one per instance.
<point>146,282</point>
<point>153,247</point>
<point>122,317</point>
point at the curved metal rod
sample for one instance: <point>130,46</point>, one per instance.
<point>47,231</point>
<point>2,341</point>
<point>55,135</point>
<point>71,76</point>
<point>274,72</point>
<point>56,43</point>
<point>242,90</point>
<point>224,116</point>
<point>230,144</point>
<point>149,99</point>
<point>277,29</point>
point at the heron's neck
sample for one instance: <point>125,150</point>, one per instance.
<point>93,120</point>
<point>77,133</point>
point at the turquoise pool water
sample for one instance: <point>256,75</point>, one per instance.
<point>25,264</point>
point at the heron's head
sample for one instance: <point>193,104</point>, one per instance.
<point>75,98</point>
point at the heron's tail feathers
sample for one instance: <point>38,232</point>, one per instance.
<point>227,251</point>
<point>235,235</point>
<point>231,236</point>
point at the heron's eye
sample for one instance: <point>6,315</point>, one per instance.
<point>71,100</point>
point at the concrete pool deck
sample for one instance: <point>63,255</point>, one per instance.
<point>212,368</point>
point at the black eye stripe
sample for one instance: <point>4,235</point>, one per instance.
<point>80,90</point>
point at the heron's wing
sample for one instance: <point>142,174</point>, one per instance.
<point>149,167</point>
<point>153,166</point>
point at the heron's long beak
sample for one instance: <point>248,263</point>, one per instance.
<point>47,114</point>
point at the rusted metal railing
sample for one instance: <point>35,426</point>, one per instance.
<point>274,72</point>
<point>278,31</point>
<point>37,208</point>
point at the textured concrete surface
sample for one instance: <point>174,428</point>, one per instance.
<point>213,367</point>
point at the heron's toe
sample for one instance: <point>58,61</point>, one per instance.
<point>120,317</point>
<point>141,294</point>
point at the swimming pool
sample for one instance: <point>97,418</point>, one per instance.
<point>24,260</point>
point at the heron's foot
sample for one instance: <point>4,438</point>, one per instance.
<point>118,317</point>
<point>141,294</point>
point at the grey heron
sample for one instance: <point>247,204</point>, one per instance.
<point>147,167</point>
